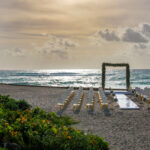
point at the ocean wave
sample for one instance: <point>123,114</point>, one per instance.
<point>85,78</point>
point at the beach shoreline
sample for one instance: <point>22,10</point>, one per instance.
<point>123,129</point>
<point>62,87</point>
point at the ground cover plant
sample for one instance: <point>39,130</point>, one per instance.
<point>25,128</point>
<point>2,148</point>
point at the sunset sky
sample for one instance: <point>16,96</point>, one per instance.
<point>59,34</point>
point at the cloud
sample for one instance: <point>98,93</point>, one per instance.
<point>58,46</point>
<point>57,42</point>
<point>146,29</point>
<point>68,43</point>
<point>128,35</point>
<point>35,34</point>
<point>27,22</point>
<point>59,53</point>
<point>138,34</point>
<point>16,52</point>
<point>15,4</point>
<point>133,36</point>
<point>140,46</point>
<point>109,36</point>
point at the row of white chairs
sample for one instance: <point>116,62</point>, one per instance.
<point>90,104</point>
<point>102,99</point>
<point>78,99</point>
<point>141,96</point>
<point>65,99</point>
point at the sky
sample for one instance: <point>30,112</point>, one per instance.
<point>74,34</point>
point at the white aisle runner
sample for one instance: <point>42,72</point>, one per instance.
<point>125,103</point>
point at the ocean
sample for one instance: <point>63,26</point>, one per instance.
<point>75,78</point>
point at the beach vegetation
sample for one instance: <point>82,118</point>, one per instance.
<point>12,104</point>
<point>2,148</point>
<point>25,128</point>
<point>23,105</point>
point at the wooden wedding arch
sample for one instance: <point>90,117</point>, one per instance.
<point>104,65</point>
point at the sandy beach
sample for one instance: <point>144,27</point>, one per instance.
<point>123,129</point>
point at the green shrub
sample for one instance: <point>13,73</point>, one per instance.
<point>37,130</point>
<point>11,104</point>
<point>23,105</point>
<point>4,99</point>
<point>1,113</point>
<point>2,148</point>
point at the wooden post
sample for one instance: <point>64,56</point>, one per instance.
<point>103,75</point>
